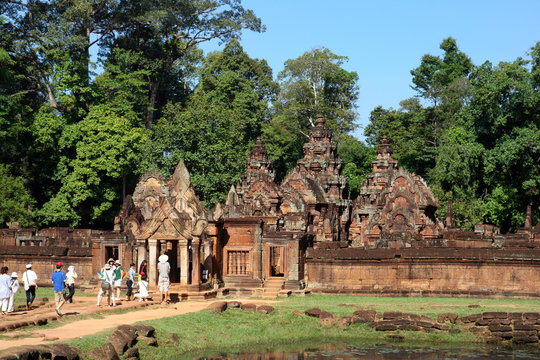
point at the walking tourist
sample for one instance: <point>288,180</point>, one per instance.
<point>59,284</point>
<point>107,281</point>
<point>14,289</point>
<point>70,283</point>
<point>5,289</point>
<point>143,283</point>
<point>163,283</point>
<point>118,275</point>
<point>130,280</point>
<point>29,279</point>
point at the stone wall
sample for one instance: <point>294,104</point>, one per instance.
<point>425,272</point>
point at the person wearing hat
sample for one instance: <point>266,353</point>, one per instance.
<point>29,279</point>
<point>5,289</point>
<point>130,280</point>
<point>107,282</point>
<point>14,289</point>
<point>118,275</point>
<point>59,283</point>
<point>70,283</point>
<point>163,283</point>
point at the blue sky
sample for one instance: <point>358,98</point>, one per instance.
<point>384,40</point>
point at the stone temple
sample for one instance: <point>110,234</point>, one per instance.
<point>302,235</point>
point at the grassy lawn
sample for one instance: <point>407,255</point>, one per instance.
<point>20,296</point>
<point>236,330</point>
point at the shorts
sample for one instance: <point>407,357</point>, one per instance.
<point>58,296</point>
<point>117,283</point>
<point>163,284</point>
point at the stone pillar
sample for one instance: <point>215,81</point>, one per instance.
<point>184,261</point>
<point>141,253</point>
<point>152,263</point>
<point>258,260</point>
<point>208,263</point>
<point>163,247</point>
<point>196,260</point>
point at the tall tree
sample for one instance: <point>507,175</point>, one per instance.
<point>215,131</point>
<point>314,83</point>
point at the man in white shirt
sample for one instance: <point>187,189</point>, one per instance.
<point>29,279</point>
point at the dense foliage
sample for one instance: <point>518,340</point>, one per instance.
<point>76,136</point>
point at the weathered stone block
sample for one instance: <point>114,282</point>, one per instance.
<point>531,315</point>
<point>469,318</point>
<point>525,339</point>
<point>520,325</point>
<point>132,353</point>
<point>483,322</point>
<point>105,352</point>
<point>218,306</point>
<point>344,321</point>
<point>234,304</point>
<point>503,335</point>
<point>315,312</point>
<point>249,307</point>
<point>145,330</point>
<point>326,314</point>
<point>363,316</point>
<point>265,309</point>
<point>495,315</point>
<point>391,315</point>
<point>150,341</point>
<point>385,327</point>
<point>499,328</point>
<point>64,352</point>
<point>327,321</point>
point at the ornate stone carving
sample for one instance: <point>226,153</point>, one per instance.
<point>164,209</point>
<point>394,207</point>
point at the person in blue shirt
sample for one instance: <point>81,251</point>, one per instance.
<point>58,278</point>
<point>130,280</point>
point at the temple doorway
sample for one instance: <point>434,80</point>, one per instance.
<point>277,263</point>
<point>172,252</point>
<point>111,252</point>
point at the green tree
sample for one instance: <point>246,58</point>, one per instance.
<point>314,83</point>
<point>215,131</point>
<point>357,158</point>
<point>16,202</point>
<point>98,154</point>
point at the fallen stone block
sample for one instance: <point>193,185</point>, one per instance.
<point>385,327</point>
<point>234,304</point>
<point>450,317</point>
<point>64,352</point>
<point>249,307</point>
<point>363,316</point>
<point>145,330</point>
<point>503,335</point>
<point>120,343</point>
<point>265,309</point>
<point>391,315</point>
<point>525,339</point>
<point>132,353</point>
<point>106,352</point>
<point>495,315</point>
<point>344,321</point>
<point>469,319</point>
<point>218,306</point>
<point>327,321</point>
<point>520,325</point>
<point>150,341</point>
<point>24,353</point>
<point>531,315</point>
<point>325,315</point>
<point>499,328</point>
<point>129,332</point>
<point>315,312</point>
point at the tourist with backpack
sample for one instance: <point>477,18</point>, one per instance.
<point>107,282</point>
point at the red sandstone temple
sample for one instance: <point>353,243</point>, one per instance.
<point>303,235</point>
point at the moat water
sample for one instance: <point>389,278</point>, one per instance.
<point>386,352</point>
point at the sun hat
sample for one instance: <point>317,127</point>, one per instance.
<point>111,259</point>
<point>107,267</point>
<point>28,266</point>
<point>59,264</point>
<point>71,268</point>
<point>14,274</point>
<point>118,262</point>
<point>163,258</point>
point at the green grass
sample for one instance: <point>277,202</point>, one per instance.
<point>20,296</point>
<point>236,330</point>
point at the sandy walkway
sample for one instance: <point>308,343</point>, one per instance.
<point>91,326</point>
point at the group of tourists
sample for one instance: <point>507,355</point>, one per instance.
<point>9,286</point>
<point>111,276</point>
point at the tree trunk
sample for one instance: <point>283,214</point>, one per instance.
<point>154,86</point>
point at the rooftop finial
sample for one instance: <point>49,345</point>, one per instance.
<point>320,120</point>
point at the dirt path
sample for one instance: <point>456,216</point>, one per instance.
<point>87,327</point>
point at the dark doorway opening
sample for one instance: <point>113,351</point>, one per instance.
<point>111,252</point>
<point>276,262</point>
